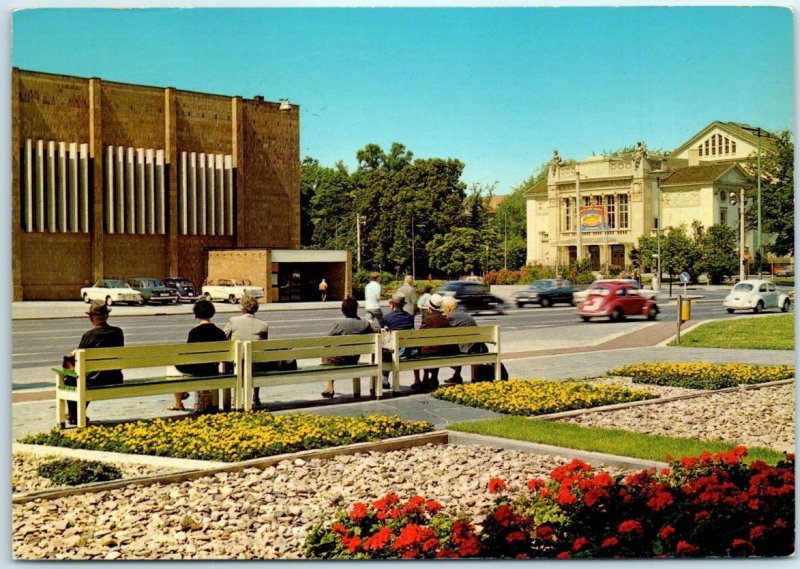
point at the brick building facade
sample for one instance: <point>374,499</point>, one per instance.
<point>113,180</point>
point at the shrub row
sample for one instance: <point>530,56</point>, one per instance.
<point>703,375</point>
<point>72,471</point>
<point>537,397</point>
<point>231,437</point>
<point>708,506</point>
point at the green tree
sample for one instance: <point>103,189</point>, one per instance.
<point>457,252</point>
<point>678,251</point>
<point>777,191</point>
<point>718,253</point>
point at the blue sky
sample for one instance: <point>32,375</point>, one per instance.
<point>497,88</point>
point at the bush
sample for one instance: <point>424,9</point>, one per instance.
<point>538,397</point>
<point>72,472</point>
<point>231,437</point>
<point>705,506</point>
<point>702,375</point>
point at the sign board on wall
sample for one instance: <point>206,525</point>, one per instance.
<point>593,218</point>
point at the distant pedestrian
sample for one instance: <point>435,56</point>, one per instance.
<point>372,300</point>
<point>410,295</point>
<point>323,290</point>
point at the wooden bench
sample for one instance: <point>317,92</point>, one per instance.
<point>132,357</point>
<point>442,337</point>
<point>263,351</point>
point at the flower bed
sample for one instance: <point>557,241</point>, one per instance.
<point>231,437</point>
<point>700,507</point>
<point>703,375</point>
<point>537,397</point>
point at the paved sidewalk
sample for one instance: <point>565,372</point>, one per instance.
<point>34,410</point>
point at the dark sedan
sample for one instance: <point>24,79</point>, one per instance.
<point>183,288</point>
<point>472,296</point>
<point>546,292</point>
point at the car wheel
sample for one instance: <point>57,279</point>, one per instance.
<point>785,307</point>
<point>730,310</point>
<point>585,318</point>
<point>232,299</point>
<point>759,307</point>
<point>520,305</point>
<point>617,315</point>
<point>109,302</point>
<point>86,298</point>
<point>546,302</point>
<point>652,313</point>
<point>141,302</point>
<point>174,300</point>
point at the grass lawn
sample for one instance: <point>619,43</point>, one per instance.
<point>610,441</point>
<point>762,333</point>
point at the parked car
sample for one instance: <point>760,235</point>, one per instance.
<point>756,295</point>
<point>231,290</point>
<point>153,290</point>
<point>183,287</point>
<point>111,291</point>
<point>616,301</point>
<point>787,271</point>
<point>582,295</point>
<point>472,296</point>
<point>546,292</point>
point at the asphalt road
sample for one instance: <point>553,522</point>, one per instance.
<point>42,343</point>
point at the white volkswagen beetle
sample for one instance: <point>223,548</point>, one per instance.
<point>756,295</point>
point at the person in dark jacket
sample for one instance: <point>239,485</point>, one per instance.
<point>399,319</point>
<point>102,335</point>
<point>205,331</point>
<point>350,324</point>
<point>435,319</point>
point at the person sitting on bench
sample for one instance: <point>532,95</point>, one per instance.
<point>351,324</point>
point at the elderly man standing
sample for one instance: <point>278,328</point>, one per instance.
<point>409,292</point>
<point>372,300</point>
<point>101,335</point>
<point>246,327</point>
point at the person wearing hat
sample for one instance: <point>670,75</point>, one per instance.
<point>101,335</point>
<point>435,319</point>
<point>399,319</point>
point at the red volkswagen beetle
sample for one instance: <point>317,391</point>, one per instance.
<point>616,301</point>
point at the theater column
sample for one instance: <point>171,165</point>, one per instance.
<point>237,146</point>
<point>96,177</point>
<point>171,175</point>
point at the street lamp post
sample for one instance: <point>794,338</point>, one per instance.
<point>505,240</point>
<point>579,255</point>
<point>359,219</point>
<point>414,248</point>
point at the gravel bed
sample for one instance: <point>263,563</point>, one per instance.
<point>24,478</point>
<point>660,390</point>
<point>258,514</point>
<point>753,417</point>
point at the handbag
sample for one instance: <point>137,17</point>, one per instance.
<point>485,372</point>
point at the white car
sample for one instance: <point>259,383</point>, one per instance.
<point>756,295</point>
<point>111,291</point>
<point>582,295</point>
<point>230,290</point>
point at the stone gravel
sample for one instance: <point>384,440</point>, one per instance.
<point>24,478</point>
<point>257,514</point>
<point>753,417</point>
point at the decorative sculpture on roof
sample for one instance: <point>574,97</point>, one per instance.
<point>556,162</point>
<point>639,153</point>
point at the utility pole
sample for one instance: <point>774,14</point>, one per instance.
<point>579,256</point>
<point>742,260</point>
<point>759,260</point>
<point>505,240</point>
<point>413,258</point>
<point>358,241</point>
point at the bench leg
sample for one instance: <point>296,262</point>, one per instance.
<point>81,413</point>
<point>377,385</point>
<point>395,381</point>
<point>356,387</point>
<point>61,412</point>
<point>226,399</point>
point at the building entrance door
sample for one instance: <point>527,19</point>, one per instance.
<point>618,256</point>
<point>594,255</point>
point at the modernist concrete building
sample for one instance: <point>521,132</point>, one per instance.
<point>113,180</point>
<point>619,199</point>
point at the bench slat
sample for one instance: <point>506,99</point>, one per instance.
<point>310,353</point>
<point>315,375</point>
<point>159,349</point>
<point>315,342</point>
<point>120,391</point>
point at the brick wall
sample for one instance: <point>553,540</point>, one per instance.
<point>252,265</point>
<point>263,140</point>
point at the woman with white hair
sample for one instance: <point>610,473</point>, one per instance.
<point>247,328</point>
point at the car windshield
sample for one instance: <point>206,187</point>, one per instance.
<point>183,283</point>
<point>152,283</point>
<point>743,287</point>
<point>543,284</point>
<point>449,287</point>
<point>243,282</point>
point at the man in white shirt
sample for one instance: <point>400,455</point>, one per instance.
<point>372,298</point>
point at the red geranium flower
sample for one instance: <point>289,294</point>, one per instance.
<point>378,541</point>
<point>757,532</point>
<point>579,543</point>
<point>702,515</point>
<point>495,485</point>
<point>661,499</point>
<point>630,526</point>
<point>358,512</point>
<point>503,515</point>
<point>565,497</point>
<point>515,536</point>
<point>351,543</point>
<point>564,555</point>
<point>609,542</point>
<point>544,532</point>
<point>686,549</point>
<point>535,484</point>
<point>666,532</point>
<point>433,506</point>
<point>340,529</point>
